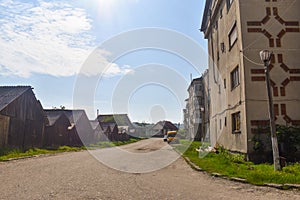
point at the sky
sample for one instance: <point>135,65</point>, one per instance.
<point>115,56</point>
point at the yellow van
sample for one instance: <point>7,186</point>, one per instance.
<point>171,137</point>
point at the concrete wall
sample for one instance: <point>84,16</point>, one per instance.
<point>261,24</point>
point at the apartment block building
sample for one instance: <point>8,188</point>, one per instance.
<point>194,110</point>
<point>237,30</point>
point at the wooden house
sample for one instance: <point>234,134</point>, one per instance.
<point>22,118</point>
<point>81,132</point>
<point>162,127</point>
<point>119,124</point>
<point>56,130</point>
<point>98,132</point>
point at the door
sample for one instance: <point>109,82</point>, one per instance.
<point>4,127</point>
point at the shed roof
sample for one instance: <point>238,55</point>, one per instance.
<point>95,124</point>
<point>53,116</point>
<point>164,125</point>
<point>119,119</point>
<point>72,115</point>
<point>9,93</point>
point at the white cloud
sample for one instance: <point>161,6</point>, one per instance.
<point>46,37</point>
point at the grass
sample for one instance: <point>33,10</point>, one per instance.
<point>233,165</point>
<point>6,154</point>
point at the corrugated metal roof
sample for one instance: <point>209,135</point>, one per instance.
<point>9,93</point>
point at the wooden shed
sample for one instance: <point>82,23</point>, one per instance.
<point>22,118</point>
<point>120,126</point>
<point>81,132</point>
<point>98,132</point>
<point>56,130</point>
<point>162,127</point>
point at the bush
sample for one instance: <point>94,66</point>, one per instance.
<point>289,142</point>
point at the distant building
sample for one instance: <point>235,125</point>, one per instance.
<point>236,32</point>
<point>56,130</point>
<point>79,130</point>
<point>206,107</point>
<point>98,132</point>
<point>162,127</point>
<point>119,125</point>
<point>195,109</point>
<point>186,115</point>
<point>22,118</point>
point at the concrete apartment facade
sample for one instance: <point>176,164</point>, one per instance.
<point>237,30</point>
<point>194,109</point>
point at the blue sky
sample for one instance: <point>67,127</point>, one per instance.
<point>45,44</point>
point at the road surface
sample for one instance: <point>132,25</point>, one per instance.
<point>79,175</point>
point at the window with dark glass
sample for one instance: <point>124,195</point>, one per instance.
<point>232,36</point>
<point>236,122</point>
<point>235,80</point>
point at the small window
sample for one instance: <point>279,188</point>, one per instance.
<point>225,121</point>
<point>235,80</point>
<point>221,13</point>
<point>228,4</point>
<point>232,36</point>
<point>197,87</point>
<point>220,124</point>
<point>222,47</point>
<point>236,123</point>
<point>224,83</point>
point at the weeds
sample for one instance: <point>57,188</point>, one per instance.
<point>234,165</point>
<point>6,154</point>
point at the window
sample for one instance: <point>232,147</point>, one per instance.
<point>225,121</point>
<point>232,36</point>
<point>197,87</point>
<point>224,83</point>
<point>221,13</point>
<point>222,47</point>
<point>228,4</point>
<point>235,80</point>
<point>236,123</point>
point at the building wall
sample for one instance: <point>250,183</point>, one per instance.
<point>206,106</point>
<point>260,24</point>
<point>4,128</point>
<point>195,102</point>
<point>26,122</point>
<point>225,100</point>
<point>274,26</point>
<point>58,134</point>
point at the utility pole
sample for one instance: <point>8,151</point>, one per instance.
<point>266,56</point>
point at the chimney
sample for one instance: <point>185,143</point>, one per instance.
<point>97,113</point>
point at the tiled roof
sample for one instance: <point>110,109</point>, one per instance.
<point>9,93</point>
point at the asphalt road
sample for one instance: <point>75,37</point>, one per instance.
<point>79,175</point>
